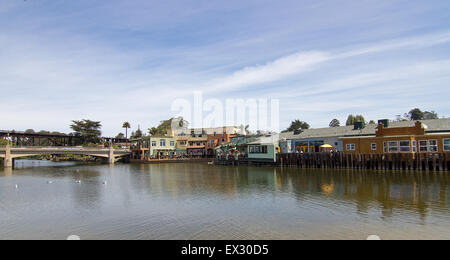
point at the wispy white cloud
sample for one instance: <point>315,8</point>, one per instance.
<point>128,61</point>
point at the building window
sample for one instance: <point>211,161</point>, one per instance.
<point>447,145</point>
<point>211,142</point>
<point>258,149</point>
<point>432,146</point>
<point>385,147</point>
<point>423,146</point>
<point>393,147</point>
<point>373,146</point>
<point>405,146</point>
<point>182,143</point>
<point>351,147</point>
<point>172,143</point>
<point>153,143</point>
<point>414,146</point>
<point>162,142</point>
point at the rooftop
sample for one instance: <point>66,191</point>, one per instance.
<point>433,126</point>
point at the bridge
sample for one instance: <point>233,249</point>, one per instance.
<point>9,153</point>
<point>23,138</point>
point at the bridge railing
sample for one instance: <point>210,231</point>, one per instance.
<point>62,148</point>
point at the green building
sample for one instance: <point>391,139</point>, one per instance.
<point>263,149</point>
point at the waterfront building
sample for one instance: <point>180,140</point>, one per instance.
<point>232,130</point>
<point>196,145</point>
<point>217,139</point>
<point>430,136</point>
<point>181,145</point>
<point>263,149</point>
<point>425,136</point>
<point>285,142</point>
<point>153,147</point>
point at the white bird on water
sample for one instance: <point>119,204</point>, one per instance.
<point>17,186</point>
<point>105,183</point>
<point>78,181</point>
<point>49,182</point>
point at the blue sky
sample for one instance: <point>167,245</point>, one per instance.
<point>116,61</point>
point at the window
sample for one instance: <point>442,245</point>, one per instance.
<point>153,143</point>
<point>414,146</point>
<point>162,142</point>
<point>211,142</point>
<point>447,145</point>
<point>405,146</point>
<point>423,146</point>
<point>373,146</point>
<point>351,147</point>
<point>172,143</point>
<point>393,147</point>
<point>258,149</point>
<point>432,146</point>
<point>385,147</point>
<point>183,143</point>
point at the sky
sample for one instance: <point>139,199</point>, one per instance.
<point>128,60</point>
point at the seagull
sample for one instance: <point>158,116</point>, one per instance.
<point>105,183</point>
<point>17,186</point>
<point>49,182</point>
<point>78,181</point>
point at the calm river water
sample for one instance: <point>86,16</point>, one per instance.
<point>199,201</point>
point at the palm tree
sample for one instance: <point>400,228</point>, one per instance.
<point>126,125</point>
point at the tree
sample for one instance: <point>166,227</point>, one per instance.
<point>297,127</point>
<point>165,126</point>
<point>415,114</point>
<point>360,118</point>
<point>430,115</point>
<point>137,134</point>
<point>120,136</point>
<point>152,131</point>
<point>335,123</point>
<point>350,120</point>
<point>88,131</point>
<point>372,122</point>
<point>30,131</point>
<point>127,126</point>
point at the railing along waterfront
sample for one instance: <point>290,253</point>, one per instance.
<point>391,161</point>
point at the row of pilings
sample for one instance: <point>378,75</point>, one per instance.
<point>392,161</point>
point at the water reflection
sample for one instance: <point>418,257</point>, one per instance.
<point>416,193</point>
<point>189,200</point>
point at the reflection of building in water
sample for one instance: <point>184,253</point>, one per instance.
<point>365,192</point>
<point>327,189</point>
<point>415,193</point>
